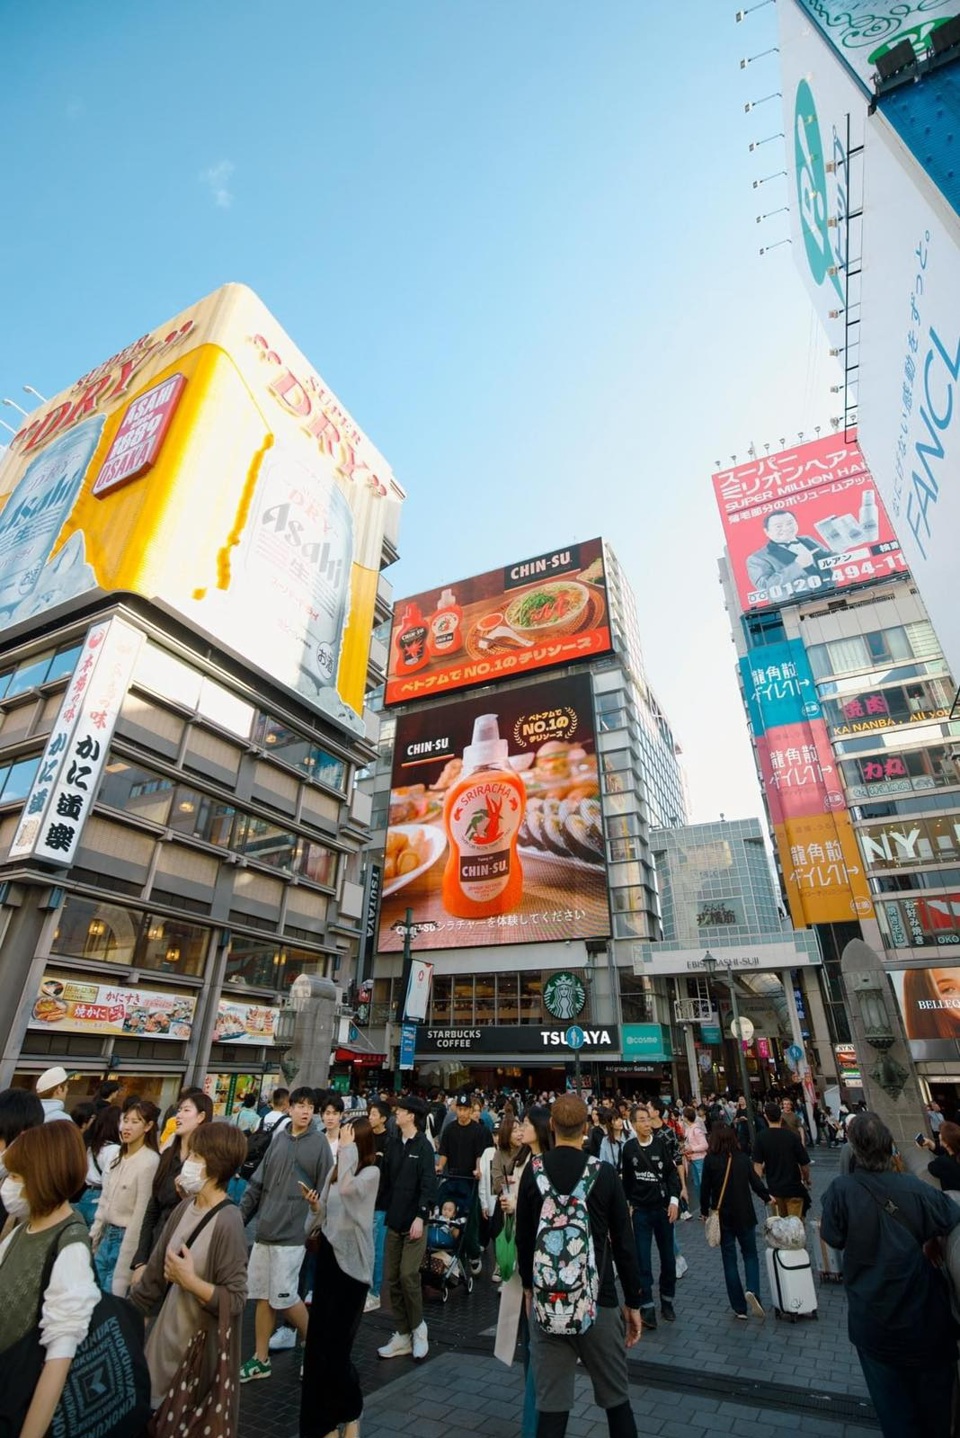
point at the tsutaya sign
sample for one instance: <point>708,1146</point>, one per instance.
<point>758,958</point>
<point>602,1039</point>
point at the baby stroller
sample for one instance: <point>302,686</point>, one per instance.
<point>454,1217</point>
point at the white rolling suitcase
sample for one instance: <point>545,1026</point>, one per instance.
<point>790,1276</point>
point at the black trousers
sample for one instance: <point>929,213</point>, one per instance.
<point>331,1391</point>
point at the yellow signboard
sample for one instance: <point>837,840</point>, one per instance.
<point>823,870</point>
<point>209,467</point>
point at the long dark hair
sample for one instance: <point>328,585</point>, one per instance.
<point>149,1113</point>
<point>104,1129</point>
<point>539,1115</point>
<point>366,1148</point>
<point>171,1160</point>
<point>723,1141</point>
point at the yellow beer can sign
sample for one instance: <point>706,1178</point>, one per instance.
<point>208,467</point>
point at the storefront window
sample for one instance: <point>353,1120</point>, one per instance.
<point>172,946</point>
<point>485,999</point>
<point>90,930</point>
<point>463,999</point>
<point>301,961</point>
<point>257,962</point>
<point>441,1000</point>
<point>531,1006</point>
<point>508,999</point>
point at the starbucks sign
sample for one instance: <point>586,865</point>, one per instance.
<point>564,995</point>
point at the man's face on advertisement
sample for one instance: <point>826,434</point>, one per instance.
<point>781,528</point>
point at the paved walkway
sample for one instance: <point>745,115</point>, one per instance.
<point>706,1376</point>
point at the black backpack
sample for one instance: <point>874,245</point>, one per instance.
<point>257,1144</point>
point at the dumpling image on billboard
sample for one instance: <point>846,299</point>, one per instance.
<point>209,468</point>
<point>495,829</point>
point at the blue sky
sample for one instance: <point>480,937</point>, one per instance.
<point>518,239</point>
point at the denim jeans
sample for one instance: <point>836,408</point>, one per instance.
<point>695,1166</point>
<point>910,1400</point>
<point>108,1251</point>
<point>747,1239</point>
<point>379,1239</point>
<point>650,1224</point>
<point>528,1423</point>
<point>86,1205</point>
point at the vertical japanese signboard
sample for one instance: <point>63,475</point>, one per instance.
<point>63,792</point>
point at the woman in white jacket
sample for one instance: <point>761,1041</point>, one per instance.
<point>127,1187</point>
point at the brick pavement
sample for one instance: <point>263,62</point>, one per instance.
<point>705,1376</point>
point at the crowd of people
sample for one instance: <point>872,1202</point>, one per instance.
<point>316,1208</point>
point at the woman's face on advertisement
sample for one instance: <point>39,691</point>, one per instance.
<point>947,983</point>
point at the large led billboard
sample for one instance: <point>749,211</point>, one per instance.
<point>496,833</point>
<point>805,522</point>
<point>207,466</point>
<point>930,1007</point>
<point>537,613</point>
<point>910,373</point>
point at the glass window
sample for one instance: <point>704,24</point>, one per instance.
<point>258,962</point>
<point>28,675</point>
<point>136,791</point>
<point>508,993</point>
<point>319,864</point>
<point>173,947</point>
<point>463,999</point>
<point>326,769</point>
<point>302,961</point>
<point>636,998</point>
<point>19,781</point>
<point>221,707</point>
<point>267,844</point>
<point>280,742</point>
<point>63,663</point>
<point>201,817</point>
<point>163,674</point>
<point>87,929</point>
<point>485,999</point>
<point>531,1003</point>
<point>441,999</point>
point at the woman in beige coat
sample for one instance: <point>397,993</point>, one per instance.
<point>200,1253</point>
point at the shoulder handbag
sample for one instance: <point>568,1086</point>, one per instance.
<point>107,1391</point>
<point>712,1225</point>
<point>179,1414</point>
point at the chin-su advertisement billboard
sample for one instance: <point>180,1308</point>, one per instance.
<point>804,523</point>
<point>496,833</point>
<point>537,613</point>
<point>208,467</point>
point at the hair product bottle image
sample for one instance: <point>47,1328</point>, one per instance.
<point>482,816</point>
<point>869,517</point>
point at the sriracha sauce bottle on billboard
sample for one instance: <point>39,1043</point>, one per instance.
<point>482,816</point>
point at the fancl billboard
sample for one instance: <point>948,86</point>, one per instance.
<point>910,371</point>
<point>824,115</point>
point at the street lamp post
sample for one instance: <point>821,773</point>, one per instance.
<point>712,969</point>
<point>408,931</point>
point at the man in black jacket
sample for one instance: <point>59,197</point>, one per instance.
<point>898,1304</point>
<point>411,1186</point>
<point>652,1185</point>
<point>602,1347</point>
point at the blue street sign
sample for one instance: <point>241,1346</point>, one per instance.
<point>795,1053</point>
<point>575,1038</point>
<point>408,1045</point>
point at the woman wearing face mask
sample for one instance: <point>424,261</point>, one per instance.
<point>200,1253</point>
<point>127,1187</point>
<point>44,1166</point>
<point>194,1108</point>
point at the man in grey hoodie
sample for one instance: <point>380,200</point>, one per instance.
<point>297,1161</point>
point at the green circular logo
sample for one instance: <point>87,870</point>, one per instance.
<point>564,995</point>
<point>812,198</point>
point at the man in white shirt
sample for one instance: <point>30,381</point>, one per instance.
<point>280,1101</point>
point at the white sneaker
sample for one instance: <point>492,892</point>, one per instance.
<point>282,1338</point>
<point>755,1306</point>
<point>372,1303</point>
<point>420,1345</point>
<point>682,1265</point>
<point>399,1345</point>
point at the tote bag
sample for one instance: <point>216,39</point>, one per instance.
<point>712,1225</point>
<point>179,1414</point>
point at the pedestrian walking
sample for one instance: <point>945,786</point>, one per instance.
<point>44,1166</point>
<point>728,1178</point>
<point>898,1304</point>
<point>195,1281</point>
<point>341,1226</point>
<point>571,1297</point>
<point>296,1162</point>
<point>782,1161</point>
<point>246,1118</point>
<point>613,1142</point>
<point>102,1141</point>
<point>652,1185</point>
<point>409,1163</point>
<point>378,1112</point>
<point>127,1188</point>
<point>195,1108</point>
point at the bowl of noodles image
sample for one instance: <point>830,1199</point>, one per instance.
<point>560,606</point>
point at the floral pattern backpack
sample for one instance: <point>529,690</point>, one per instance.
<point>566,1281</point>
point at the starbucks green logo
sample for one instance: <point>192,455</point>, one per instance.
<point>564,996</point>
<point>812,188</point>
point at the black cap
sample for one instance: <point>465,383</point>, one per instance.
<point>464,1100</point>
